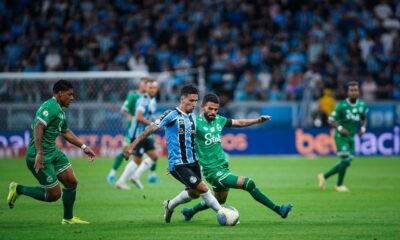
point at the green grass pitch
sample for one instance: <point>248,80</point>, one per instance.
<point>370,211</point>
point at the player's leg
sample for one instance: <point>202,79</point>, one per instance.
<point>146,164</point>
<point>117,163</point>
<point>152,178</point>
<point>342,150</point>
<point>344,164</point>
<point>49,190</point>
<point>66,176</point>
<point>128,171</point>
<point>188,213</point>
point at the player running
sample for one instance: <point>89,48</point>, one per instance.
<point>129,109</point>
<point>215,166</point>
<point>145,108</point>
<point>46,162</point>
<point>349,116</point>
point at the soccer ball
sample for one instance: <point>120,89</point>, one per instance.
<point>228,216</point>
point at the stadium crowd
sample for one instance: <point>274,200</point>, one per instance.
<point>250,50</point>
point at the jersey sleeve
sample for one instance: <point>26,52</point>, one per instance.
<point>45,114</point>
<point>336,113</point>
<point>140,105</point>
<point>64,126</point>
<point>166,118</point>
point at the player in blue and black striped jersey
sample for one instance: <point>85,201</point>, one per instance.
<point>180,128</point>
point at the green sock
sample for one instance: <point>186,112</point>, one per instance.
<point>37,193</point>
<point>201,206</point>
<point>342,171</point>
<point>68,198</point>
<point>264,200</point>
<point>118,161</point>
<point>153,167</point>
<point>332,171</point>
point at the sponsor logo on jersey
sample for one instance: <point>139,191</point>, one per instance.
<point>45,113</point>
<point>210,139</point>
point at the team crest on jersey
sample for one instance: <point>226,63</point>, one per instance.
<point>219,128</point>
<point>192,179</point>
<point>45,113</point>
<point>49,179</point>
<point>219,174</point>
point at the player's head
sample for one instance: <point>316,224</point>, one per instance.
<point>353,91</point>
<point>143,84</point>
<point>63,92</point>
<point>152,87</point>
<point>210,106</point>
<point>189,98</point>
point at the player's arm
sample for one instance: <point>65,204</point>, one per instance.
<point>38,131</point>
<point>74,140</point>
<point>363,127</point>
<point>333,123</point>
<point>140,117</point>
<point>129,149</point>
<point>238,123</point>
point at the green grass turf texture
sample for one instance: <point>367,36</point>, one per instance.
<point>370,211</point>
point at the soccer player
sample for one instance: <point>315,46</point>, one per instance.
<point>215,167</point>
<point>180,129</point>
<point>129,109</point>
<point>349,116</point>
<point>46,162</point>
<point>145,107</point>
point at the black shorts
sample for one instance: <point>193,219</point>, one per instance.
<point>188,174</point>
<point>143,147</point>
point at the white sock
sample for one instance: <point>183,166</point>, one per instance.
<point>182,197</point>
<point>129,169</point>
<point>112,172</point>
<point>145,165</point>
<point>211,201</point>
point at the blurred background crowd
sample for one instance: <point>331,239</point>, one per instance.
<point>250,50</point>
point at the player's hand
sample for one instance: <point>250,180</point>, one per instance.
<point>264,118</point>
<point>38,162</point>
<point>128,152</point>
<point>344,132</point>
<point>89,153</point>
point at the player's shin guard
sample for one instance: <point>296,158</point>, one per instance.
<point>37,193</point>
<point>118,160</point>
<point>211,201</point>
<point>68,199</point>
<point>250,186</point>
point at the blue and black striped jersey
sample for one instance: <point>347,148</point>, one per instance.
<point>180,129</point>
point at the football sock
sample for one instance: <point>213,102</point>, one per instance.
<point>182,197</point>
<point>37,193</point>
<point>68,199</point>
<point>129,169</point>
<point>211,201</point>
<point>342,171</point>
<point>118,161</point>
<point>144,165</point>
<point>250,186</point>
<point>199,207</point>
<point>154,167</point>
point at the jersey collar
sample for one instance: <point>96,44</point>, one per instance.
<point>179,110</point>
<point>55,99</point>
<point>351,104</point>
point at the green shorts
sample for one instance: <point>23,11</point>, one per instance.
<point>345,146</point>
<point>54,164</point>
<point>221,179</point>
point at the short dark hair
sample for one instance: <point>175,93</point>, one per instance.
<point>62,85</point>
<point>210,97</point>
<point>352,84</point>
<point>189,89</point>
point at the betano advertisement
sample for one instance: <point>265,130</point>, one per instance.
<point>285,141</point>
